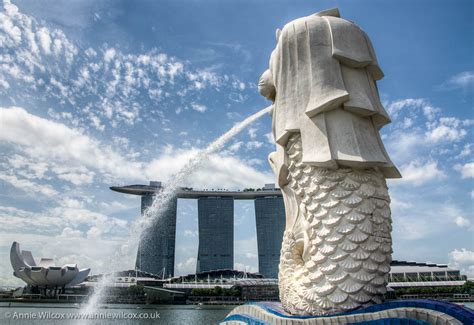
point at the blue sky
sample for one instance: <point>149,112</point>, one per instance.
<point>101,93</point>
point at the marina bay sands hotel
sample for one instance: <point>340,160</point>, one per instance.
<point>156,252</point>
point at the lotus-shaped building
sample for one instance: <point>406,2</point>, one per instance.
<point>44,274</point>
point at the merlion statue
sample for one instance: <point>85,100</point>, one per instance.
<point>331,165</point>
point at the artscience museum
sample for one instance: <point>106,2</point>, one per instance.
<point>44,275</point>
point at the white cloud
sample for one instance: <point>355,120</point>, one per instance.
<point>116,206</point>
<point>199,108</point>
<point>246,258</point>
<point>407,227</point>
<point>446,129</point>
<point>71,233</point>
<point>71,203</point>
<point>253,145</point>
<point>28,168</point>
<point>44,40</point>
<point>98,254</point>
<point>403,145</point>
<point>252,133</point>
<point>54,220</point>
<point>462,256</point>
<point>462,80</point>
<point>245,267</point>
<point>218,171</point>
<point>452,213</point>
<point>255,162</point>
<point>269,137</point>
<point>466,151</point>
<point>188,266</point>
<point>418,172</point>
<point>251,255</point>
<point>11,30</point>
<point>235,146</point>
<point>51,141</point>
<point>407,122</point>
<point>430,112</point>
<point>399,204</point>
<point>419,128</point>
<point>110,87</point>
<point>109,55</point>
<point>76,175</point>
<point>462,222</point>
<point>190,233</point>
<point>466,170</point>
<point>464,260</point>
<point>94,232</point>
<point>233,115</point>
<point>29,186</point>
<point>396,107</point>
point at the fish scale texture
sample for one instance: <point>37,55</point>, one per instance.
<point>337,255</point>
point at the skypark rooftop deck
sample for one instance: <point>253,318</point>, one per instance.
<point>188,193</point>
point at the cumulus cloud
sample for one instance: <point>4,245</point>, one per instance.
<point>462,222</point>
<point>73,156</point>
<point>420,129</point>
<point>218,171</point>
<point>446,129</point>
<point>396,107</point>
<point>454,214</point>
<point>418,172</point>
<point>464,260</point>
<point>73,151</point>
<point>466,170</point>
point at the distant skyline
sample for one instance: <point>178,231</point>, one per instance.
<point>101,93</point>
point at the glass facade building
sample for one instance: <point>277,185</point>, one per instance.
<point>156,250</point>
<point>270,222</point>
<point>216,233</point>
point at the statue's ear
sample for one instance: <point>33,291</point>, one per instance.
<point>277,34</point>
<point>277,162</point>
<point>272,161</point>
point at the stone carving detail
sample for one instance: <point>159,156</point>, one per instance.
<point>331,165</point>
<point>337,255</point>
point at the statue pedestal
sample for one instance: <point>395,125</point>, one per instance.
<point>394,312</point>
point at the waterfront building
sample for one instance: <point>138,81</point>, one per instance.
<point>216,233</point>
<point>413,274</point>
<point>44,275</point>
<point>156,252</point>
<point>270,223</point>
